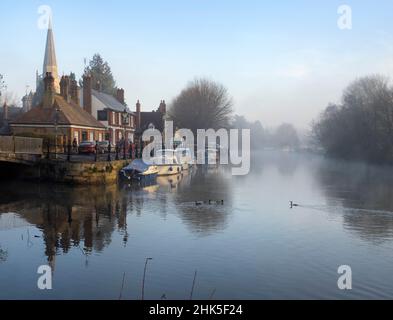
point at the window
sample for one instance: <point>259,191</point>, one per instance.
<point>91,136</point>
<point>102,115</point>
<point>84,135</point>
<point>125,119</point>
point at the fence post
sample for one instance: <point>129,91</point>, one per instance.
<point>47,149</point>
<point>96,153</point>
<point>109,152</point>
<point>69,152</point>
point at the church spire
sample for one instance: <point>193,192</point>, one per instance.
<point>50,63</point>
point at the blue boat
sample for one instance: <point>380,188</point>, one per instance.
<point>139,170</point>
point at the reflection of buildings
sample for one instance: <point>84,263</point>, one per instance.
<point>87,217</point>
<point>73,217</point>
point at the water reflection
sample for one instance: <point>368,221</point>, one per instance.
<point>87,217</point>
<point>250,246</point>
<point>365,195</point>
<point>68,217</point>
<point>3,255</point>
<point>192,200</point>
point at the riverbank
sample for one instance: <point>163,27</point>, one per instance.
<point>92,173</point>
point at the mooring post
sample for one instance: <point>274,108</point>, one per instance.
<point>109,152</point>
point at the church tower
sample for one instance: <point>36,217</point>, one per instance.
<point>50,63</point>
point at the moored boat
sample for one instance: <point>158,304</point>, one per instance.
<point>184,156</point>
<point>139,170</point>
<point>167,163</point>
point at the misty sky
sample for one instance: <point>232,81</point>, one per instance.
<point>282,61</point>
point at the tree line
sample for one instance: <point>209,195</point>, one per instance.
<point>361,126</point>
<point>206,104</point>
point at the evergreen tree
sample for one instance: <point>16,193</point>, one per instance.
<point>101,74</point>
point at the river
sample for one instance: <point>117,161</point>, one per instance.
<point>251,246</point>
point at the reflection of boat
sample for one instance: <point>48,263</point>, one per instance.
<point>151,188</point>
<point>166,163</point>
<point>210,155</point>
<point>169,182</point>
<point>184,156</point>
<point>139,170</point>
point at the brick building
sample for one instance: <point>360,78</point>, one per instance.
<point>59,114</point>
<point>111,111</point>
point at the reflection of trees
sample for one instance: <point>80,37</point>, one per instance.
<point>3,255</point>
<point>203,185</point>
<point>368,188</point>
<point>68,216</point>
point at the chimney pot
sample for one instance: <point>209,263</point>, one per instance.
<point>138,114</point>
<point>120,96</point>
<point>87,89</point>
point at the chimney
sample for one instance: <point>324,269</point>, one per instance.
<point>74,92</point>
<point>65,88</point>
<point>49,91</point>
<point>87,99</point>
<point>138,114</point>
<point>120,96</point>
<point>162,107</point>
<point>5,111</point>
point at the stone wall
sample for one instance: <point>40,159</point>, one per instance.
<point>96,173</point>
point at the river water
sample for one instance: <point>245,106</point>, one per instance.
<point>253,246</point>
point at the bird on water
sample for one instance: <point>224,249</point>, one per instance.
<point>293,204</point>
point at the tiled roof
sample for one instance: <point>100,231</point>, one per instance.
<point>13,113</point>
<point>69,114</point>
<point>109,101</point>
<point>154,117</point>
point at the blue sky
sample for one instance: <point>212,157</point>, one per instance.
<point>282,61</point>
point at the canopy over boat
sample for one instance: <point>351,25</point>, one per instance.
<point>137,165</point>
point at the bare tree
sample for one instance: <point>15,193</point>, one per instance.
<point>203,104</point>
